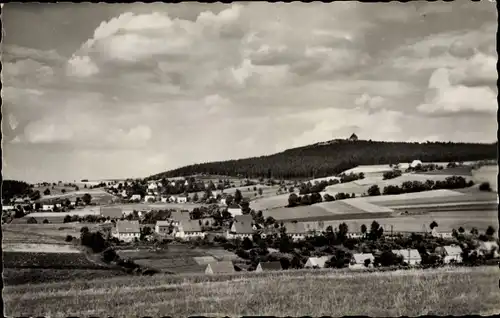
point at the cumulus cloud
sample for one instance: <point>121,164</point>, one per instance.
<point>81,66</point>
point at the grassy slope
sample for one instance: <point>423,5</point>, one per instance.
<point>296,293</point>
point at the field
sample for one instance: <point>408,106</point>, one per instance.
<point>98,195</point>
<point>487,174</point>
<point>444,291</point>
<point>175,259</point>
<point>447,221</point>
<point>31,233</point>
<point>157,206</point>
<point>268,203</point>
<point>34,248</point>
<point>48,260</point>
<point>20,276</point>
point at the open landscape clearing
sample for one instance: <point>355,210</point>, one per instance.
<point>447,221</point>
<point>288,293</point>
<point>43,248</point>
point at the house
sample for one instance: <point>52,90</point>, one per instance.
<point>223,201</point>
<point>111,212</point>
<point>47,207</point>
<point>164,199</point>
<point>296,230</point>
<point>353,137</point>
<point>172,199</point>
<point>268,266</point>
<point>241,227</point>
<point>415,163</point>
<point>355,235</point>
<point>135,197</point>
<point>124,194</point>
<point>186,183</point>
<point>224,267</point>
<point>8,207</point>
<point>178,217</point>
<point>126,230</point>
<point>152,186</point>
<point>189,229</point>
<point>450,253</point>
<point>410,256</point>
<point>149,198</point>
<point>163,227</point>
<point>234,209</point>
<point>317,262</point>
<point>182,198</point>
<point>488,248</point>
<point>358,260</point>
<point>435,233</point>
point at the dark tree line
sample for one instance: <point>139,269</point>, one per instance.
<point>324,160</point>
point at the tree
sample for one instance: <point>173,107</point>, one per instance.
<point>342,232</point>
<point>35,195</point>
<point>63,191</point>
<point>237,196</point>
<point>291,189</point>
<point>433,225</point>
<point>328,198</point>
<point>490,231</point>
<point>373,190</point>
<point>485,186</point>
<point>87,198</point>
<point>474,231</point>
<point>461,230</point>
<point>45,221</point>
<point>363,228</point>
<point>195,197</point>
<point>46,192</point>
<point>31,220</point>
<point>293,200</point>
<point>367,262</point>
<point>260,191</point>
<point>247,243</point>
<point>67,219</point>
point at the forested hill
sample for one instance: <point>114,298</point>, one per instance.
<point>329,158</point>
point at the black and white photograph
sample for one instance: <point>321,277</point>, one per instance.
<point>250,159</point>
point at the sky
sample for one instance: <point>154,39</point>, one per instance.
<point>129,90</point>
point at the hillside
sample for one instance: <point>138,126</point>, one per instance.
<point>328,158</point>
<point>444,291</point>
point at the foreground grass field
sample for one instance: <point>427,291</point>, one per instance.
<point>445,291</point>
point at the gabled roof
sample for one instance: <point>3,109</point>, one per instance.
<point>221,267</point>
<point>318,261</point>
<point>179,216</point>
<point>411,254</point>
<point>453,250</point>
<point>270,266</point>
<point>360,258</point>
<point>112,212</point>
<point>128,226</point>
<point>242,224</point>
<point>295,228</point>
<point>163,223</point>
<point>191,226</point>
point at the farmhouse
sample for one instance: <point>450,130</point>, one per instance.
<point>296,230</point>
<point>450,253</point>
<point>317,262</point>
<point>234,209</point>
<point>47,207</point>
<point>224,267</point>
<point>410,256</point>
<point>111,212</point>
<point>182,198</point>
<point>415,163</point>
<point>189,229</point>
<point>163,227</point>
<point>135,197</point>
<point>358,260</point>
<point>241,227</point>
<point>149,198</point>
<point>127,230</point>
<point>268,266</point>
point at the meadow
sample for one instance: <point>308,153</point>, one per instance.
<point>443,291</point>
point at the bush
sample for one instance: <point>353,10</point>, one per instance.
<point>392,174</point>
<point>374,190</point>
<point>485,186</point>
<point>69,238</point>
<point>45,221</point>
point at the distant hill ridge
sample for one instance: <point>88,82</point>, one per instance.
<point>332,157</point>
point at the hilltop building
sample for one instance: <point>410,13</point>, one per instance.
<point>353,137</point>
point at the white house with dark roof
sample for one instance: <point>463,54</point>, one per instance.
<point>182,198</point>
<point>223,267</point>
<point>410,256</point>
<point>189,230</point>
<point>126,230</point>
<point>242,227</point>
<point>296,230</point>
<point>135,197</point>
<point>358,260</point>
<point>178,217</point>
<point>149,198</point>
<point>163,227</point>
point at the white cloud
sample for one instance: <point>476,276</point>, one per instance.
<point>81,66</point>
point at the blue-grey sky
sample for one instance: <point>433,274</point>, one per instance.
<point>115,90</point>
